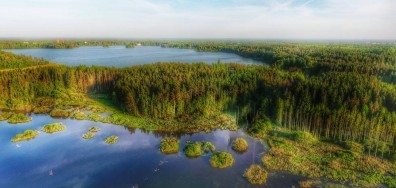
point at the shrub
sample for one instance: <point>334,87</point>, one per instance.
<point>193,149</point>
<point>94,129</point>
<point>27,135</point>
<point>356,148</point>
<point>169,145</point>
<point>240,145</point>
<point>53,127</point>
<point>304,137</point>
<point>221,160</point>
<point>209,147</point>
<point>88,135</point>
<point>57,113</point>
<point>5,116</point>
<point>111,139</point>
<point>260,128</point>
<point>255,174</point>
<point>19,118</point>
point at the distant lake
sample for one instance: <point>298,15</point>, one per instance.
<point>119,56</point>
<point>64,159</point>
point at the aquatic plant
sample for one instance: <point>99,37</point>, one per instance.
<point>19,118</point>
<point>94,129</point>
<point>169,145</point>
<point>240,145</point>
<point>111,139</point>
<point>5,116</point>
<point>209,147</point>
<point>53,127</point>
<point>255,174</point>
<point>26,135</point>
<point>193,149</point>
<point>79,115</point>
<point>88,135</point>
<point>58,113</point>
<point>94,117</point>
<point>221,160</point>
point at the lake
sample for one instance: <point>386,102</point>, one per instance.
<point>119,56</point>
<point>64,159</point>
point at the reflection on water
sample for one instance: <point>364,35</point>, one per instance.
<point>64,159</point>
<point>119,56</point>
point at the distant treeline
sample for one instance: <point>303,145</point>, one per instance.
<point>344,92</point>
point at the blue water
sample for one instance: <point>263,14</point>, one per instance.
<point>119,56</point>
<point>131,161</point>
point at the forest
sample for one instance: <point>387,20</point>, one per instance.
<point>337,92</point>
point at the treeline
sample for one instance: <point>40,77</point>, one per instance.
<point>338,92</point>
<point>10,61</point>
<point>62,44</point>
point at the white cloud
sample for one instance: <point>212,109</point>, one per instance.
<point>335,19</point>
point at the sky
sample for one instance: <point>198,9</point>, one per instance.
<point>202,19</point>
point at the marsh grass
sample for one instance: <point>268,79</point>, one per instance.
<point>221,160</point>
<point>255,174</point>
<point>240,145</point>
<point>197,149</point>
<point>26,135</point>
<point>94,129</point>
<point>88,135</point>
<point>19,118</point>
<point>169,145</point>
<point>53,127</point>
<point>111,139</point>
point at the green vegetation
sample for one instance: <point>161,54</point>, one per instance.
<point>169,145</point>
<point>130,45</point>
<point>5,116</point>
<point>193,149</point>
<point>255,174</point>
<point>198,148</point>
<point>208,147</point>
<point>221,160</point>
<point>111,139</point>
<point>240,145</point>
<point>26,135</point>
<point>88,135</point>
<point>53,127</point>
<point>344,94</point>
<point>19,118</point>
<point>324,159</point>
<point>94,129</point>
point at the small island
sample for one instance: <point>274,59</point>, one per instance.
<point>94,129</point>
<point>169,145</point>
<point>111,139</point>
<point>26,135</point>
<point>88,135</point>
<point>197,149</point>
<point>53,127</point>
<point>19,118</point>
<point>240,145</point>
<point>255,174</point>
<point>221,160</point>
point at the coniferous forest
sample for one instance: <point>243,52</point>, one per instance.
<point>337,92</point>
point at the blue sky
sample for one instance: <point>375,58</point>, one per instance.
<point>266,19</point>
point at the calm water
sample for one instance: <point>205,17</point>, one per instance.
<point>131,161</point>
<point>119,56</point>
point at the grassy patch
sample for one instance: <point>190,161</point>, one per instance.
<point>53,127</point>
<point>289,152</point>
<point>58,113</point>
<point>193,149</point>
<point>5,116</point>
<point>221,160</point>
<point>79,115</point>
<point>208,147</point>
<point>19,118</point>
<point>240,145</point>
<point>169,145</point>
<point>111,139</point>
<point>255,174</point>
<point>26,135</point>
<point>88,135</point>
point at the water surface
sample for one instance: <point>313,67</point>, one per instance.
<point>119,56</point>
<point>133,161</point>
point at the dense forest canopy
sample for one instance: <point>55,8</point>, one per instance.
<point>335,91</point>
